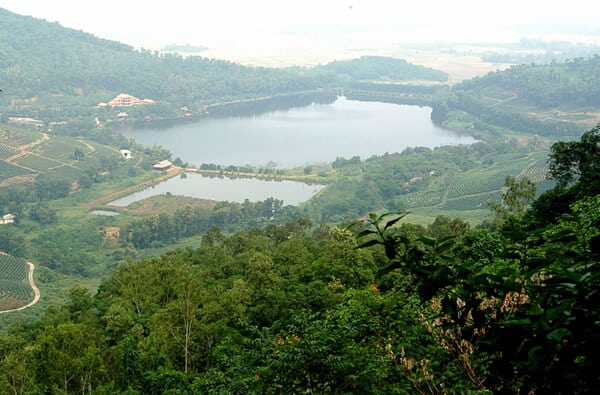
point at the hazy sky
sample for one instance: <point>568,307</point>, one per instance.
<point>306,25</point>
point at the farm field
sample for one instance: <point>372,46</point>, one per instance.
<point>17,137</point>
<point>38,163</point>
<point>8,171</point>
<point>467,193</point>
<point>66,172</point>
<point>6,151</point>
<point>14,287</point>
<point>24,154</point>
<point>61,148</point>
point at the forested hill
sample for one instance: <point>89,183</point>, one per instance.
<point>379,67</point>
<point>37,58</point>
<point>555,100</point>
<point>574,83</point>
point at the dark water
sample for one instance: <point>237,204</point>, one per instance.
<point>313,133</point>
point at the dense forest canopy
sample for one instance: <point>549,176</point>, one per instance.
<point>380,67</point>
<point>375,306</point>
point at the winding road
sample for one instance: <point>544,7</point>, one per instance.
<point>36,291</point>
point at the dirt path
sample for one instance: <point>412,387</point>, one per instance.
<point>88,145</point>
<point>25,147</point>
<point>36,291</point>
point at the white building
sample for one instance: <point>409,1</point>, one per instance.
<point>7,219</point>
<point>125,154</point>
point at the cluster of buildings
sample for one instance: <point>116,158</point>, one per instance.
<point>125,100</point>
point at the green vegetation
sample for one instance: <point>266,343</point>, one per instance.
<point>15,290</point>
<point>8,171</point>
<point>180,296</point>
<point>383,68</point>
<point>6,151</point>
<point>14,137</point>
<point>555,100</point>
<point>389,308</point>
<point>424,181</point>
<point>59,75</point>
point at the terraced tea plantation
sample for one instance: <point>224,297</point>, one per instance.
<point>15,290</point>
<point>6,151</point>
<point>8,171</point>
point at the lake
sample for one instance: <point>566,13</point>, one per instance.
<point>314,133</point>
<point>224,188</point>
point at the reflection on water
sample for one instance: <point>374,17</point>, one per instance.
<point>229,189</point>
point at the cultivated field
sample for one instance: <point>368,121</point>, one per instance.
<point>15,290</point>
<point>17,137</point>
<point>8,171</point>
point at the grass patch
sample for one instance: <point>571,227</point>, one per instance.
<point>17,137</point>
<point>166,204</point>
<point>473,202</point>
<point>38,163</point>
<point>61,148</point>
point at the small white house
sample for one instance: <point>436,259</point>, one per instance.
<point>125,154</point>
<point>7,219</point>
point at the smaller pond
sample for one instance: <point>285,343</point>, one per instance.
<point>104,212</point>
<point>225,188</point>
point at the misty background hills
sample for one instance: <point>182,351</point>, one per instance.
<point>40,58</point>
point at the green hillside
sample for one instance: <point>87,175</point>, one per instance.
<point>558,100</point>
<point>54,64</point>
<point>384,68</point>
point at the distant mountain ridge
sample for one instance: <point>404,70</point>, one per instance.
<point>40,58</point>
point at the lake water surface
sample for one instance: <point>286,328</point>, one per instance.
<point>230,189</point>
<point>317,133</point>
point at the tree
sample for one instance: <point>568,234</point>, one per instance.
<point>42,213</point>
<point>576,167</point>
<point>68,358</point>
<point>577,163</point>
<point>517,196</point>
<point>78,154</point>
<point>48,188</point>
<point>526,312</point>
<point>15,372</point>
